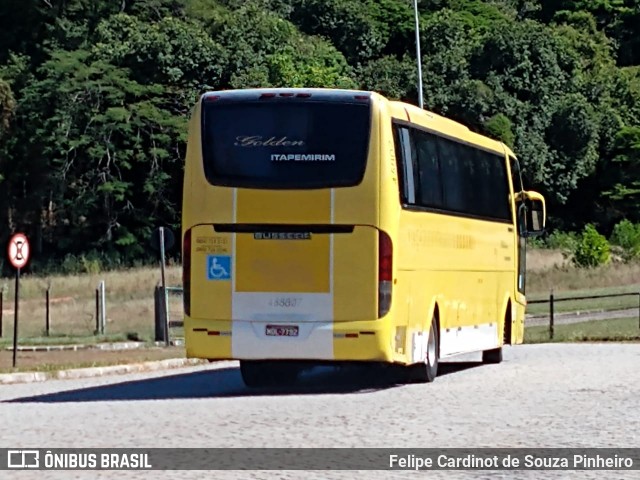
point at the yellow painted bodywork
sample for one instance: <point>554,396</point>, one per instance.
<point>464,268</point>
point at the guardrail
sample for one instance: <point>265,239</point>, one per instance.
<point>552,300</point>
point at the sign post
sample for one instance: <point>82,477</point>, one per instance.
<point>164,286</point>
<point>162,239</point>
<point>18,251</point>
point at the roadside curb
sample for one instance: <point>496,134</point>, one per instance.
<point>31,377</point>
<point>113,346</point>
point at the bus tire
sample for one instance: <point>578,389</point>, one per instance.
<point>261,373</point>
<point>492,356</point>
<point>427,371</point>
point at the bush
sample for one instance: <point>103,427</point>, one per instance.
<point>566,241</point>
<point>537,242</point>
<point>558,240</point>
<point>592,249</point>
<point>626,236</point>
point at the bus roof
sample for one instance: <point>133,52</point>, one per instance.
<point>310,94</point>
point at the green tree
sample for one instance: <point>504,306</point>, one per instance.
<point>348,24</point>
<point>624,196</point>
<point>393,77</point>
<point>500,128</point>
<point>98,152</point>
<point>274,53</point>
<point>619,19</point>
<point>7,106</point>
<point>533,73</point>
<point>171,52</point>
<point>94,97</point>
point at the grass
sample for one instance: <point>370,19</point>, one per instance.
<point>68,340</point>
<point>54,367</point>
<point>122,284</point>
<point>613,330</point>
<point>539,260</point>
<point>62,360</point>
<point>610,303</point>
<point>129,304</point>
<point>546,270</point>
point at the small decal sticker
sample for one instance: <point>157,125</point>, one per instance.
<point>218,267</point>
<point>219,245</point>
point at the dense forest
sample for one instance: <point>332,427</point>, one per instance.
<point>95,96</point>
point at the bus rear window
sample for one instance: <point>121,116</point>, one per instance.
<point>285,145</point>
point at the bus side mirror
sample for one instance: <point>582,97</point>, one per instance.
<point>536,214</point>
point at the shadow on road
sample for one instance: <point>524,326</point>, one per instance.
<point>455,367</point>
<point>227,382</point>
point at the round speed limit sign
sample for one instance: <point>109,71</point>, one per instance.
<point>18,250</point>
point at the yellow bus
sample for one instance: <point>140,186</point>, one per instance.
<point>324,225</point>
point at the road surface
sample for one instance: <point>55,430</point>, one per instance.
<point>578,395</point>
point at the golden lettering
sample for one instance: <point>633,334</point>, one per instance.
<point>260,141</point>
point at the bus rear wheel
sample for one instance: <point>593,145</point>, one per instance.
<point>492,356</point>
<point>427,371</point>
<point>265,373</point>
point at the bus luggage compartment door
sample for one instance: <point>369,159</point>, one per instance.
<point>285,286</point>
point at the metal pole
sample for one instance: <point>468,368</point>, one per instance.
<point>551,315</point>
<point>638,312</point>
<point>418,54</point>
<point>160,324</point>
<point>97,311</point>
<point>1,301</point>
<point>165,302</point>
<point>103,301</point>
<point>48,314</point>
<point>15,318</point>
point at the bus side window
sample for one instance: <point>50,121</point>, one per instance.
<point>406,156</point>
<point>455,181</point>
<point>429,171</point>
<point>491,183</point>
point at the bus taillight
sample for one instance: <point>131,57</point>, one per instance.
<point>385,273</point>
<point>186,272</point>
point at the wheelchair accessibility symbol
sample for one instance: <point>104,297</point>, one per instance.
<point>218,267</point>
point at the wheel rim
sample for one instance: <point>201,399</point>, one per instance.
<point>431,347</point>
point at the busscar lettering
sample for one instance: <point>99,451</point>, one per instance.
<point>282,236</point>
<point>260,141</point>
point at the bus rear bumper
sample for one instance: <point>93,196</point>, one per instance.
<point>257,340</point>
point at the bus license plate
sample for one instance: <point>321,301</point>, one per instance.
<point>282,330</point>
